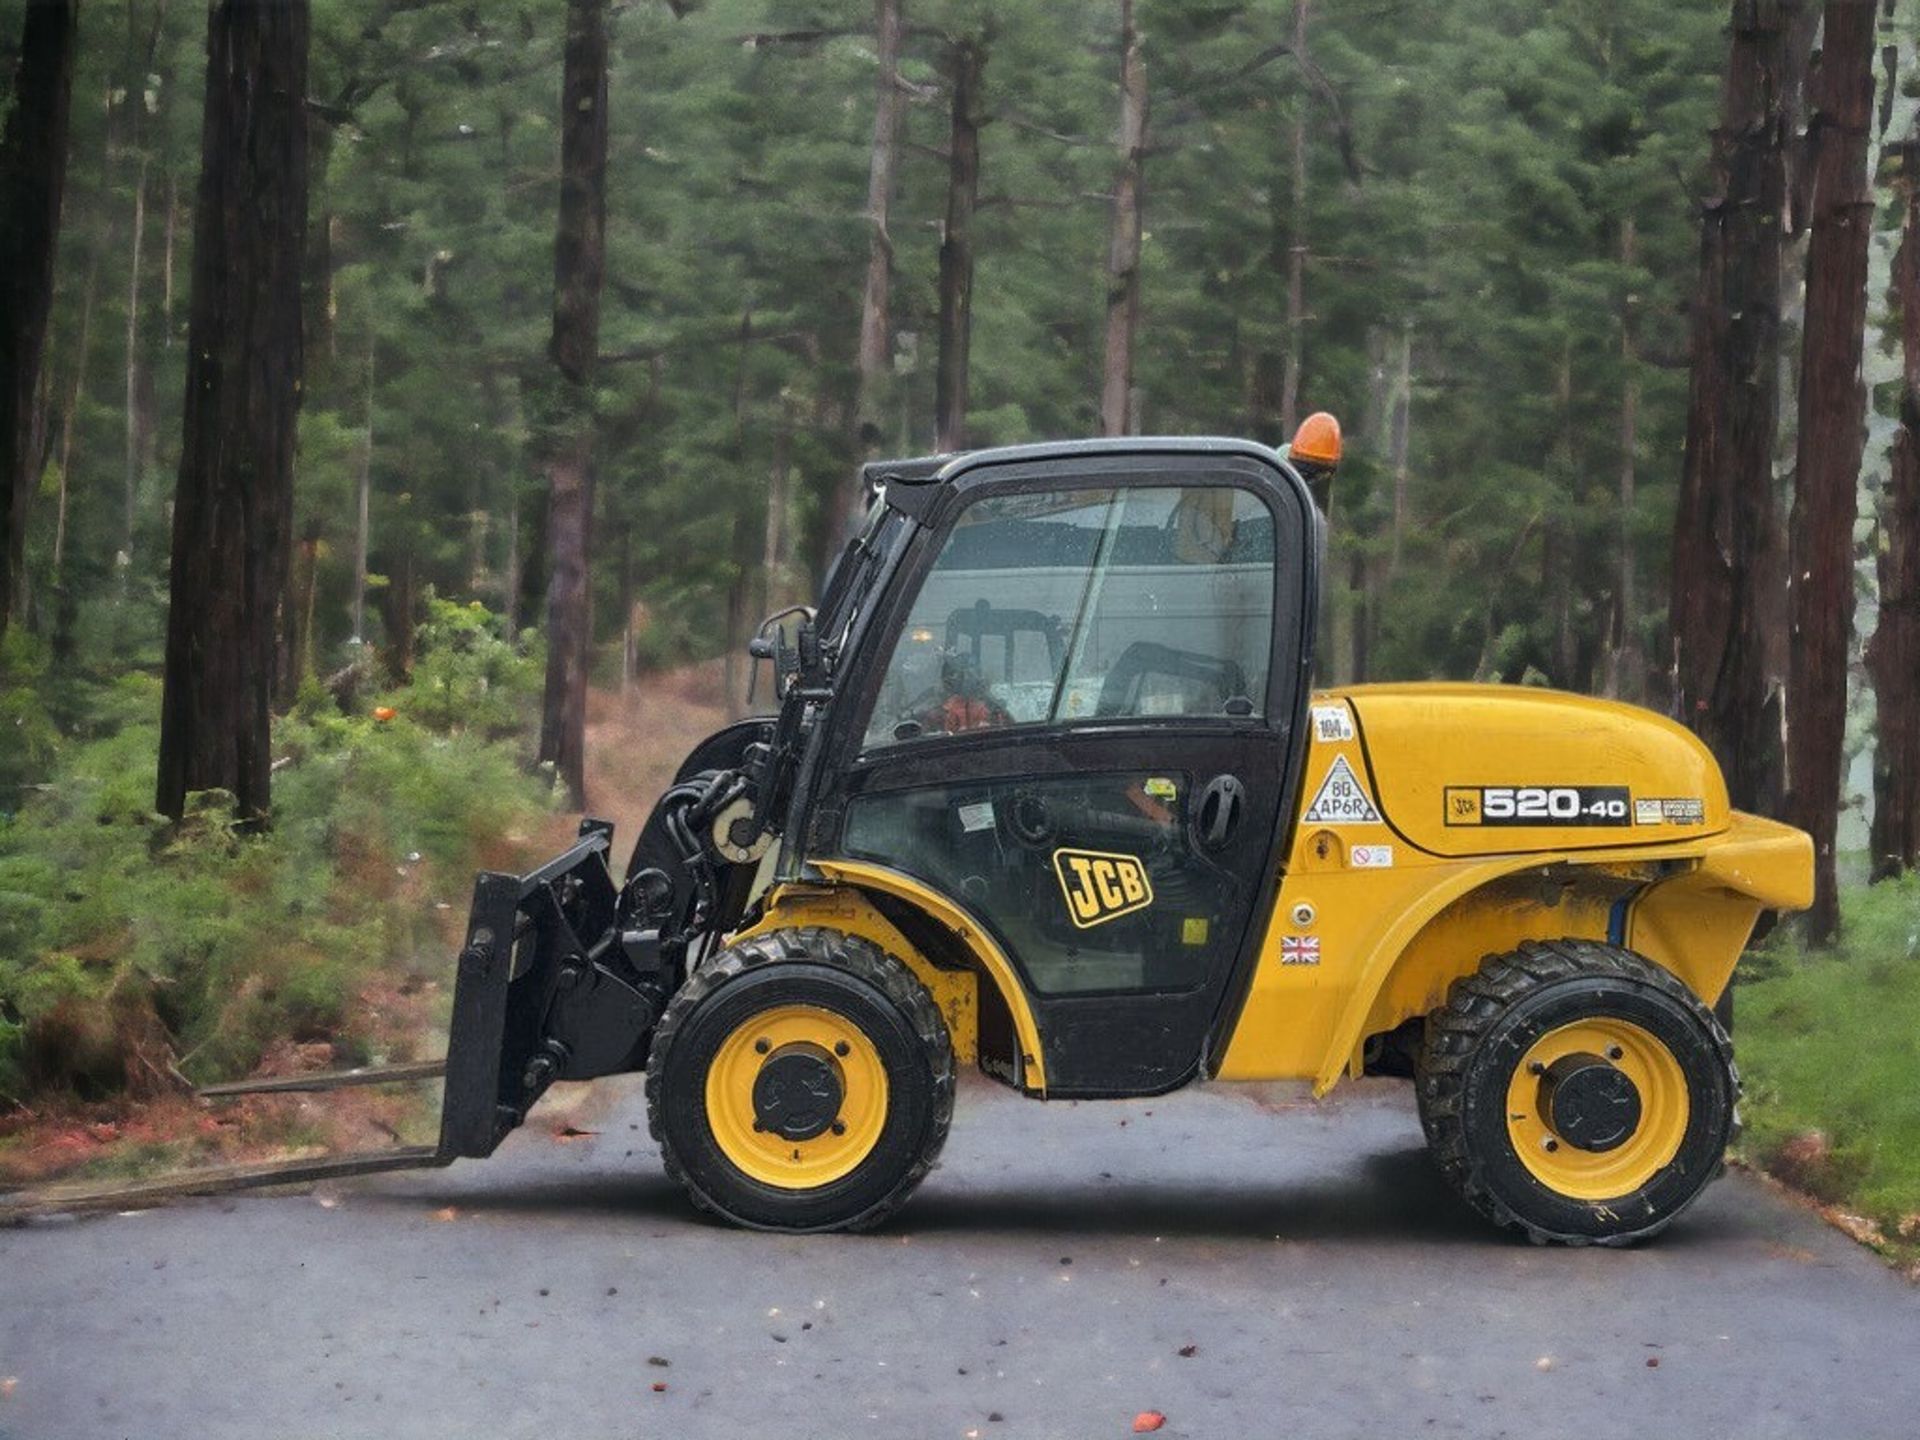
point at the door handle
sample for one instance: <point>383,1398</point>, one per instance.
<point>1218,814</point>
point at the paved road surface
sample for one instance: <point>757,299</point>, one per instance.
<point>1043,1284</point>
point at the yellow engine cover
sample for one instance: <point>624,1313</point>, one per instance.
<point>1465,770</point>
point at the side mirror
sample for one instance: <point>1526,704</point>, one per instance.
<point>1315,453</point>
<point>789,662</point>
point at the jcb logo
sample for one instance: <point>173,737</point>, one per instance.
<point>1100,886</point>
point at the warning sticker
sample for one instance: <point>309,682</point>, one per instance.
<point>977,816</point>
<point>1371,857</point>
<point>1342,799</point>
<point>1332,723</point>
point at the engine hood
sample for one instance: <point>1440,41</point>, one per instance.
<point>1466,770</point>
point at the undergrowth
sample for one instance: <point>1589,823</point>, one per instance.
<point>136,953</point>
<point>1829,1046</point>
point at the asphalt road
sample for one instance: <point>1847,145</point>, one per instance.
<point>1045,1282</point>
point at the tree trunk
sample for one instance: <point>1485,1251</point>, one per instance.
<point>1360,578</point>
<point>1626,666</point>
<point>1893,655</point>
<point>396,615</point>
<point>510,590</point>
<point>1123,242</point>
<point>135,439</point>
<point>1726,557</point>
<point>233,507</point>
<point>1399,437</point>
<point>1832,436</point>
<point>1560,553</point>
<point>1297,249</point>
<point>579,268</point>
<point>317,279</point>
<point>363,504</point>
<point>774,546</point>
<point>875,359</point>
<point>166,266</point>
<point>33,175</point>
<point>737,668</point>
<point>956,246</point>
<point>76,395</point>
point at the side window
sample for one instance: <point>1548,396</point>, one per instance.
<point>1059,606</point>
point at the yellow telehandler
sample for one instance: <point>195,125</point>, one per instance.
<point>1050,792</point>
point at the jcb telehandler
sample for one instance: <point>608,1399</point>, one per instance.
<point>1049,791</point>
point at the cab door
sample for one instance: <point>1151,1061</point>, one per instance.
<point>1079,720</point>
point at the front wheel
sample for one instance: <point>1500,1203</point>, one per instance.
<point>1577,1092</point>
<point>801,1080</point>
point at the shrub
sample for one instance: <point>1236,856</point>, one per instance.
<point>121,934</point>
<point>468,674</point>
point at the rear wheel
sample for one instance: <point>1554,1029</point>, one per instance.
<point>801,1080</point>
<point>1577,1092</point>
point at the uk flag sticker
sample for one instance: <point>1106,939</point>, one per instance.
<point>1300,950</point>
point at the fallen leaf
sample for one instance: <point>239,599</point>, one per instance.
<point>1545,1362</point>
<point>1653,1362</point>
<point>659,1387</point>
<point>1147,1419</point>
<point>1187,1352</point>
<point>659,1360</point>
<point>1909,1226</point>
<point>571,1132</point>
<point>8,1386</point>
<point>1857,1227</point>
<point>446,1213</point>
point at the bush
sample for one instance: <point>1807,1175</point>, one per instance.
<point>121,934</point>
<point>468,675</point>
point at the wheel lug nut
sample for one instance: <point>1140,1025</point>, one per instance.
<point>1614,1052</point>
<point>839,1127</point>
<point>841,1047</point>
<point>1536,1068</point>
<point>762,1046</point>
<point>1551,1144</point>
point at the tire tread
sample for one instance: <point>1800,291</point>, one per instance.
<point>1454,1032</point>
<point>858,957</point>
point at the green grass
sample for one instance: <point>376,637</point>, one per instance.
<point>1829,1042</point>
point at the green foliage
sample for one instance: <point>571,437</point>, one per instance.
<point>112,921</point>
<point>467,675</point>
<point>1829,1041</point>
<point>28,735</point>
<point>1472,171</point>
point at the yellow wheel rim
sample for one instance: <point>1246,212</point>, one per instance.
<point>1600,1174</point>
<point>831,1045</point>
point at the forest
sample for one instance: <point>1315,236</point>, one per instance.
<point>379,378</point>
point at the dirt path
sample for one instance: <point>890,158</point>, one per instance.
<point>636,741</point>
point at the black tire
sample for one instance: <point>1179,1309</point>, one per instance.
<point>1478,1038</point>
<point>853,978</point>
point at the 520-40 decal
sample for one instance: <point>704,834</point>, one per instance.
<point>1538,805</point>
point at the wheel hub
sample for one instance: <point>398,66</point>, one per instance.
<point>798,1092</point>
<point>1589,1103</point>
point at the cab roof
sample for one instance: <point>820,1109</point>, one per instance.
<point>943,469</point>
